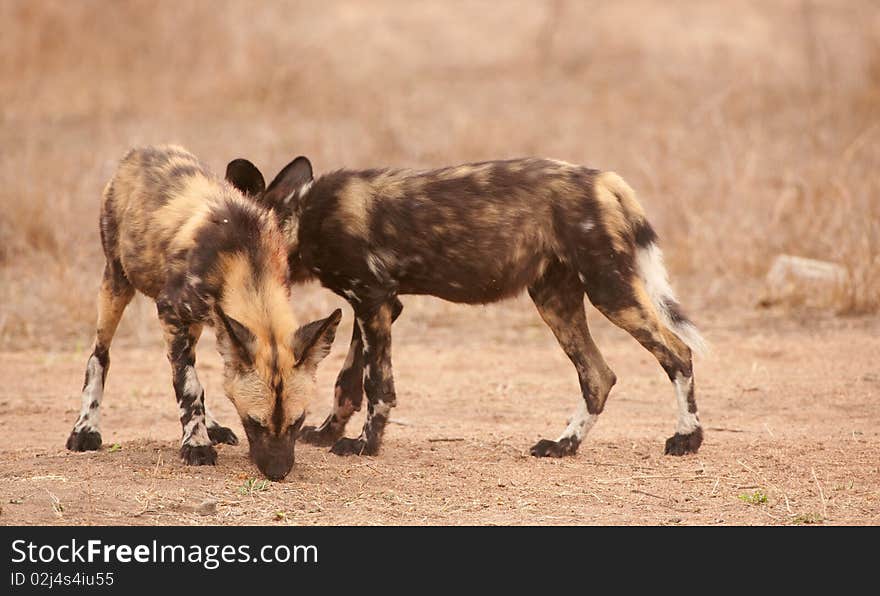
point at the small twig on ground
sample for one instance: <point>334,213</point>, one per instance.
<point>145,503</point>
<point>57,507</point>
<point>158,463</point>
<point>445,440</point>
<point>375,470</point>
<point>150,493</point>
<point>821,494</point>
<point>610,465</point>
<point>740,462</point>
<point>726,430</point>
<point>644,492</point>
<point>648,477</point>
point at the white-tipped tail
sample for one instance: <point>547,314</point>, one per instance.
<point>649,261</point>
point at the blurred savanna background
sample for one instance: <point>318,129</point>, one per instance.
<point>748,128</point>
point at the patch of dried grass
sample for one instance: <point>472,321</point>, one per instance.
<point>746,132</point>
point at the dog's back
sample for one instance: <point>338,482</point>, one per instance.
<point>164,212</point>
<point>469,233</point>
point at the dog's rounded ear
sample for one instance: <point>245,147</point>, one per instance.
<point>245,176</point>
<point>311,343</point>
<point>240,337</point>
<point>290,184</point>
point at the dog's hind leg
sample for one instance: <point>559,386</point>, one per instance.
<point>115,294</point>
<point>559,297</point>
<point>627,305</point>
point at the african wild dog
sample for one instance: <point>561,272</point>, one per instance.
<point>206,255</point>
<point>478,233</point>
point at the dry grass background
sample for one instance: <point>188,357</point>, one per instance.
<point>747,127</point>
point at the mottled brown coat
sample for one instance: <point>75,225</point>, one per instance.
<point>207,256</point>
<point>478,233</point>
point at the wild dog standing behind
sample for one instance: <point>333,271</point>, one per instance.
<point>206,255</point>
<point>478,233</point>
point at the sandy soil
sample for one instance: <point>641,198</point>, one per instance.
<point>791,408</point>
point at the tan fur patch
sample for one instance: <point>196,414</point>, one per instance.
<point>256,300</point>
<point>110,309</point>
<point>607,187</point>
<point>176,160</point>
<point>389,185</point>
<point>261,304</point>
<point>645,317</point>
<point>479,173</point>
<point>354,206</point>
<point>182,216</point>
<point>382,320</point>
<point>627,195</point>
<point>561,185</point>
<point>563,165</point>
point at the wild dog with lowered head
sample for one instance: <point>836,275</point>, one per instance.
<point>206,255</point>
<point>478,233</point>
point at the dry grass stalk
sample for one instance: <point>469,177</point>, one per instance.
<point>747,133</point>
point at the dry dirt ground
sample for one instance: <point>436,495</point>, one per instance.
<point>791,407</point>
